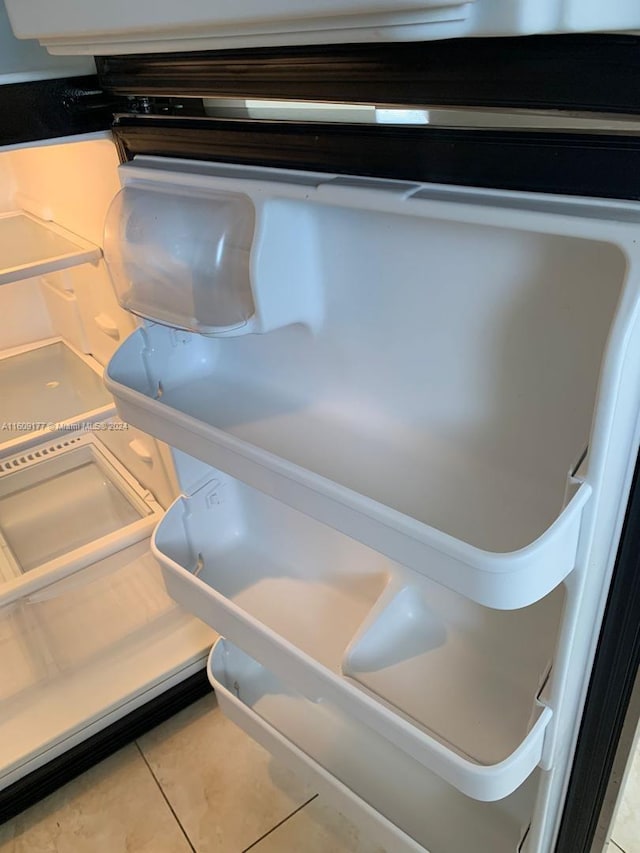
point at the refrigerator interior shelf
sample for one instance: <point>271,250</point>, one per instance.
<point>166,385</point>
<point>337,755</point>
<point>48,382</point>
<point>75,649</point>
<point>30,246</point>
<point>341,620</point>
<point>63,502</point>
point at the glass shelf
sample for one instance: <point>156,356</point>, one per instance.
<point>30,246</point>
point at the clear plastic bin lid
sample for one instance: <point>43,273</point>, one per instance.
<point>182,257</point>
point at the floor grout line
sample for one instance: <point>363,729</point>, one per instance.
<point>615,844</point>
<point>279,824</point>
<point>165,798</point>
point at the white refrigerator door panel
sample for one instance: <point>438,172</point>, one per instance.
<point>446,447</point>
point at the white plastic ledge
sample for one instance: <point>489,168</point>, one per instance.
<point>30,247</point>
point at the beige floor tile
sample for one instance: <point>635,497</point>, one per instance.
<point>626,829</point>
<point>317,828</point>
<point>225,789</point>
<point>116,807</point>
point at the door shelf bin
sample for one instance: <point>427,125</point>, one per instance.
<point>64,501</point>
<point>342,621</point>
<point>153,378</point>
<point>358,771</point>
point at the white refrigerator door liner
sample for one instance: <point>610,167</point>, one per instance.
<point>462,349</point>
<point>121,27</point>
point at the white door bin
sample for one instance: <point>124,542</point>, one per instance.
<point>358,771</point>
<point>452,683</point>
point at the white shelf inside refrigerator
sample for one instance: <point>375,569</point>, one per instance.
<point>352,766</point>
<point>48,383</point>
<point>450,682</point>
<point>30,246</point>
<point>84,650</point>
<point>63,500</point>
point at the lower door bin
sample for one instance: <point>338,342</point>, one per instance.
<point>454,684</point>
<point>388,794</point>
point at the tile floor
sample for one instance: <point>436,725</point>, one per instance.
<point>625,835</point>
<point>195,783</point>
<point>198,784</point>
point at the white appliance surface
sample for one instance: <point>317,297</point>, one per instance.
<point>98,28</point>
<point>421,543</point>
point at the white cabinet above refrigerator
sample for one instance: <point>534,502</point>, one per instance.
<point>99,28</point>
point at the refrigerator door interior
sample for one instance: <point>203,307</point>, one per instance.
<point>387,484</point>
<point>98,28</point>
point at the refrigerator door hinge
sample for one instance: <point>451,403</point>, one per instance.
<point>53,108</point>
